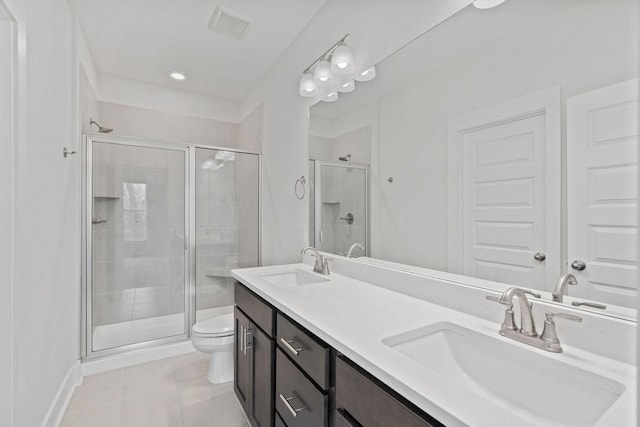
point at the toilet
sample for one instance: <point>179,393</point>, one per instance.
<point>215,336</point>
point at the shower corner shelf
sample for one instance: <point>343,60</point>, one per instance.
<point>330,203</point>
<point>107,197</point>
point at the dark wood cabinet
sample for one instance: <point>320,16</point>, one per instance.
<point>285,376</point>
<point>361,400</point>
<point>254,365</point>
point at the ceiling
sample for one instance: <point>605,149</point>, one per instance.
<point>147,39</point>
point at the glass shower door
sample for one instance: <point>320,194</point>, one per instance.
<point>227,213</point>
<point>138,244</point>
<point>341,211</point>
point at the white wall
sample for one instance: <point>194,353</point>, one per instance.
<point>46,301</point>
<point>133,93</point>
<point>285,150</point>
<point>8,53</point>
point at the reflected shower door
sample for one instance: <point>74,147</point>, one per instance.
<point>138,244</point>
<point>343,208</point>
<point>226,225</point>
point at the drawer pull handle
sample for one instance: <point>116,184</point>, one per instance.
<point>292,349</point>
<point>291,409</point>
<point>247,333</point>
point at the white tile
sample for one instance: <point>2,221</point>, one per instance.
<point>199,389</point>
<point>193,367</point>
<point>101,415</point>
<point>172,419</point>
<point>156,402</point>
<point>222,411</point>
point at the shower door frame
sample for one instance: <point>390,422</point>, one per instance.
<point>86,335</point>
<point>317,195</point>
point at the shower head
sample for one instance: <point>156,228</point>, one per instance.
<point>346,158</point>
<point>100,128</point>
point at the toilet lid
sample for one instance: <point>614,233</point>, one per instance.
<point>219,325</point>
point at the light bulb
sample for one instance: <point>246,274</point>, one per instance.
<point>367,75</point>
<point>333,96</point>
<point>487,4</point>
<point>342,60</point>
<point>347,87</point>
<point>308,86</point>
<point>177,76</point>
<point>322,74</point>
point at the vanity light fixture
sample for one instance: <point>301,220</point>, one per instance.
<point>487,4</point>
<point>308,86</point>
<point>367,75</point>
<point>347,87</point>
<point>177,76</point>
<point>332,97</point>
<point>342,59</point>
<point>322,74</point>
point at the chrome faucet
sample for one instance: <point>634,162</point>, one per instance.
<point>561,286</point>
<point>527,334</point>
<point>353,247</point>
<point>321,264</point>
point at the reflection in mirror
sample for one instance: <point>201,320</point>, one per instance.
<point>502,145</point>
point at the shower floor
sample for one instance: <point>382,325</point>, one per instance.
<point>141,330</point>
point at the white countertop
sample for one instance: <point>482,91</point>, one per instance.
<point>353,317</point>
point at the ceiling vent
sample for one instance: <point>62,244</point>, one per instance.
<point>229,23</point>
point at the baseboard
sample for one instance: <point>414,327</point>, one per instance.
<point>63,396</point>
<point>130,358</point>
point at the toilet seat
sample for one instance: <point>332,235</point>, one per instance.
<point>216,327</point>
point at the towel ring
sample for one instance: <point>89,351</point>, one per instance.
<point>300,188</point>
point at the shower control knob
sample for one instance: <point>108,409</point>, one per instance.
<point>540,257</point>
<point>578,265</point>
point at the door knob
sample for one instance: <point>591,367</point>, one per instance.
<point>540,257</point>
<point>578,265</point>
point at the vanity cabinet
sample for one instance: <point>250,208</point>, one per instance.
<point>254,357</point>
<point>361,400</point>
<point>285,376</point>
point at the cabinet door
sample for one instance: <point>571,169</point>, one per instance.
<point>242,362</point>
<point>262,349</point>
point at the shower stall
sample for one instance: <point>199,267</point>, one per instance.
<point>338,206</point>
<point>164,224</point>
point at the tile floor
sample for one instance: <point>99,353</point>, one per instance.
<point>171,392</point>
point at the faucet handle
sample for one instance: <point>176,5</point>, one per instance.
<point>325,265</point>
<point>509,322</point>
<point>549,334</point>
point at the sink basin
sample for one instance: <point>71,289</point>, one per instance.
<point>555,392</point>
<point>294,278</point>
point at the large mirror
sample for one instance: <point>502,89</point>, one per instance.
<point>501,145</point>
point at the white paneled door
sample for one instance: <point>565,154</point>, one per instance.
<point>602,187</point>
<point>503,193</point>
<point>504,185</point>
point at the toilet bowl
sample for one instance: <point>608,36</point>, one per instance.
<point>215,336</point>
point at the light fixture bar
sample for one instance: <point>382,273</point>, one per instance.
<point>324,55</point>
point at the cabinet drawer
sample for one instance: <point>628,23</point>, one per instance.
<point>306,351</point>
<point>358,397</point>
<point>279,422</point>
<point>259,311</point>
<point>298,401</point>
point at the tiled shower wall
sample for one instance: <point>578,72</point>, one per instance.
<point>135,280</point>
<point>138,253</point>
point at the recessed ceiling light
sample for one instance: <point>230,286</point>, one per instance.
<point>177,76</point>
